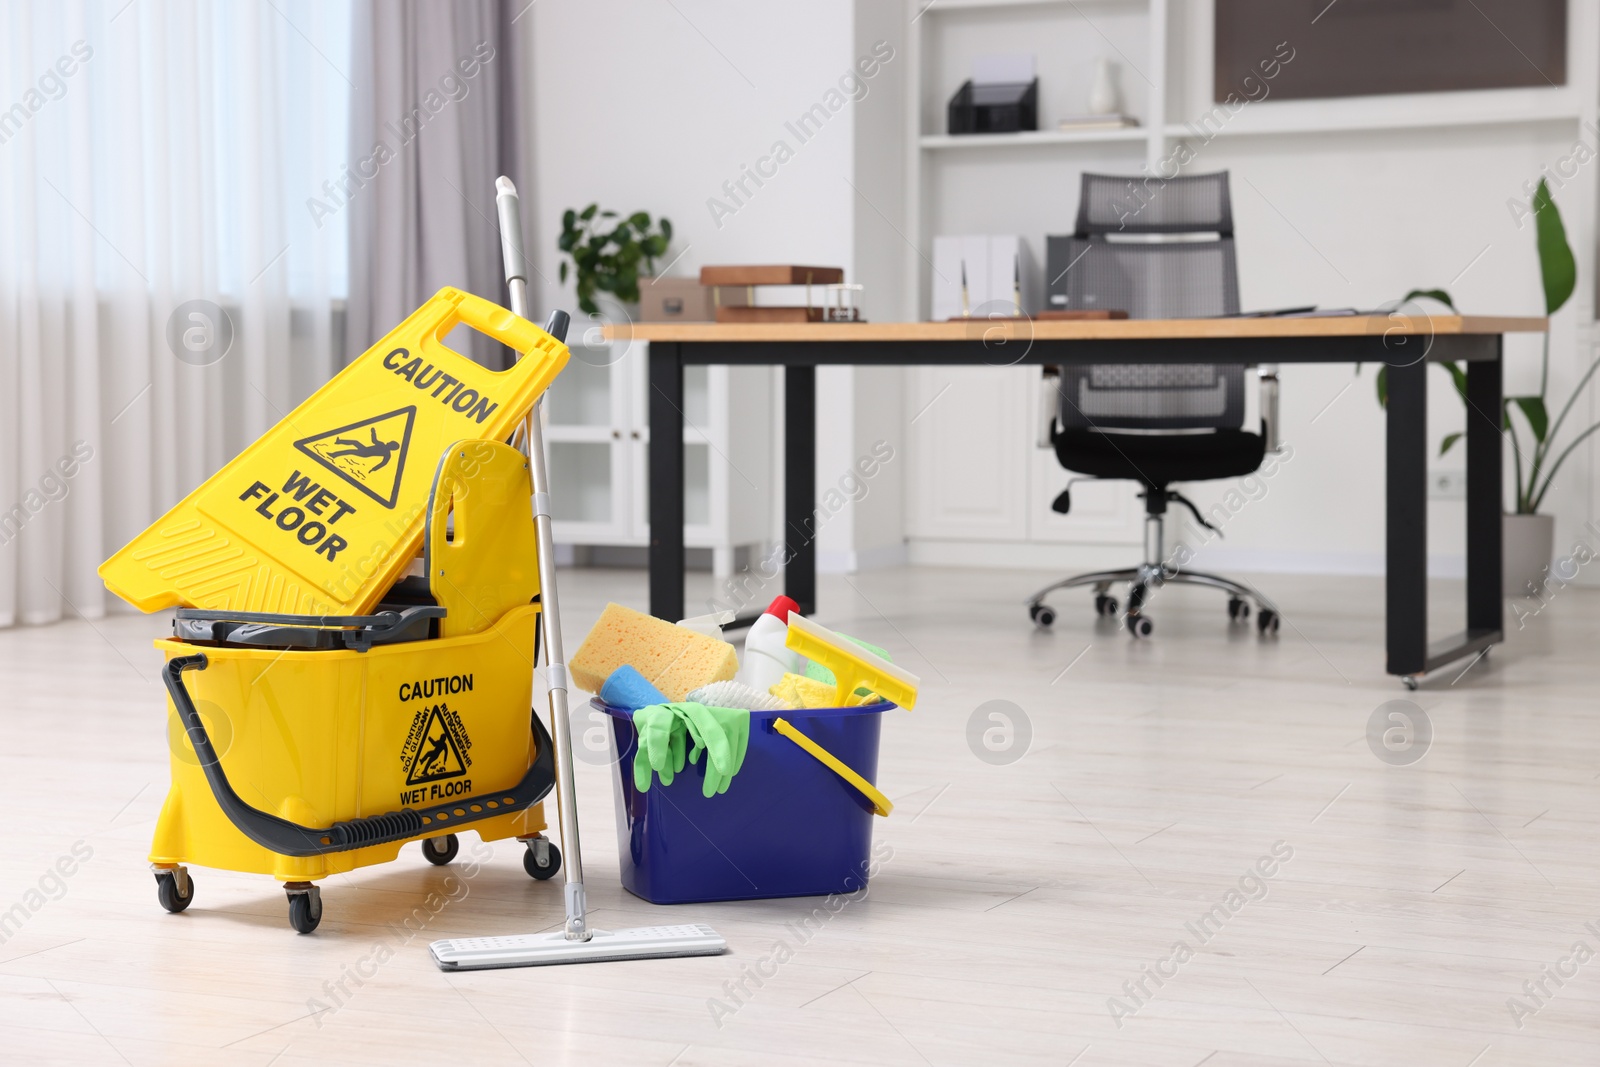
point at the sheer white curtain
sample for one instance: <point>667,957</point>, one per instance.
<point>158,168</point>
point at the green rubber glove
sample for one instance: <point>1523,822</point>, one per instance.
<point>662,744</point>
<point>723,734</point>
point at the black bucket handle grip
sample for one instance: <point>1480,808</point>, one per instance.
<point>291,839</point>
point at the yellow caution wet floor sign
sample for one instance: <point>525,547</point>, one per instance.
<point>325,511</point>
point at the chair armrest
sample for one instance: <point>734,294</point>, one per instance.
<point>1269,405</point>
<point>1049,404</point>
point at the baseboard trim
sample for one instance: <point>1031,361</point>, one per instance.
<point>868,559</point>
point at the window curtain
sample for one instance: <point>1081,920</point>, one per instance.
<point>167,276</point>
<point>437,114</point>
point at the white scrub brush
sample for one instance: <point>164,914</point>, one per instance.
<point>731,694</point>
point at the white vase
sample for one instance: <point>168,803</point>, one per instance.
<point>1103,90</point>
<point>1527,546</point>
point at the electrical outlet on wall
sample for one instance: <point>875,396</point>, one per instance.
<point>1447,484</point>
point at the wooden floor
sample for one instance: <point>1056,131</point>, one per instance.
<point>1020,910</point>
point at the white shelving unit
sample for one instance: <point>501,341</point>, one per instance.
<point>599,440</point>
<point>1031,139</point>
<point>970,484</point>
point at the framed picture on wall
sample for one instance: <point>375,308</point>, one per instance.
<point>1370,47</point>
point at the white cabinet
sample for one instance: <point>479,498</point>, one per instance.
<point>599,439</point>
<point>971,446</point>
<point>979,476</point>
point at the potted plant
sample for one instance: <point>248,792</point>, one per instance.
<point>1529,535</point>
<point>1528,539</point>
<point>609,260</point>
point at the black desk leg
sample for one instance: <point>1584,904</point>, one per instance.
<point>800,485</point>
<point>1406,568</point>
<point>1485,605</point>
<point>666,481</point>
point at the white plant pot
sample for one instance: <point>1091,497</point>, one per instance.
<point>1527,545</point>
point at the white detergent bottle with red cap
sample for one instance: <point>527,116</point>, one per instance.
<point>766,658</point>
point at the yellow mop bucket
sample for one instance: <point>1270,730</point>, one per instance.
<point>324,512</point>
<point>304,746</point>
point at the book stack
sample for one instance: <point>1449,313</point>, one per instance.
<point>1096,122</point>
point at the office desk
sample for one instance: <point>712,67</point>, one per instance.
<point>1405,343</point>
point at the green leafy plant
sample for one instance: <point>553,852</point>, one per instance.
<point>610,260</point>
<point>1558,273</point>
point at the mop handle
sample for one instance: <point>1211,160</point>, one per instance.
<point>510,211</point>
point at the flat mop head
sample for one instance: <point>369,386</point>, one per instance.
<point>534,950</point>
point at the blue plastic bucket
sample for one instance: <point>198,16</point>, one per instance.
<point>788,826</point>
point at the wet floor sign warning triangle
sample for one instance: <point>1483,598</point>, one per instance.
<point>370,454</point>
<point>436,755</point>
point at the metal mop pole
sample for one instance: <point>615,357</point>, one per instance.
<point>510,210</point>
<point>578,943</point>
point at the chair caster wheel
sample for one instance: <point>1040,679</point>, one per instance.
<point>440,850</point>
<point>1105,606</point>
<point>1267,622</point>
<point>1409,682</point>
<point>174,888</point>
<point>1043,615</point>
<point>1139,626</point>
<point>305,906</point>
<point>1238,610</point>
<point>552,864</point>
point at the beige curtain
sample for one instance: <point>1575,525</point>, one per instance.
<point>436,116</point>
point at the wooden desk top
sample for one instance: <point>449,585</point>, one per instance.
<point>1100,329</point>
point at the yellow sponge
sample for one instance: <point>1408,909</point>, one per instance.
<point>805,692</point>
<point>674,659</point>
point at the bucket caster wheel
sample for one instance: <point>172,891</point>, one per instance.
<point>1267,622</point>
<point>1043,615</point>
<point>305,905</point>
<point>1238,610</point>
<point>542,859</point>
<point>440,850</point>
<point>1139,626</point>
<point>1105,606</point>
<point>174,888</point>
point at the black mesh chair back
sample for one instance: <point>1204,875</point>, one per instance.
<point>1194,203</point>
<point>1115,263</point>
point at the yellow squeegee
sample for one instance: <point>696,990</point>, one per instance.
<point>853,667</point>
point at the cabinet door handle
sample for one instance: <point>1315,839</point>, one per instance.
<point>616,435</point>
<point>635,435</point>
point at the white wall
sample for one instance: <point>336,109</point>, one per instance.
<point>656,106</point>
<point>640,107</point>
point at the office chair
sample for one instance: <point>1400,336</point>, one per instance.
<point>1153,423</point>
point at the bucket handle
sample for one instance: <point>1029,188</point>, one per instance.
<point>881,805</point>
<point>291,839</point>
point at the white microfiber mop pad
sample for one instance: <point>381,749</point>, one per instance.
<point>732,694</point>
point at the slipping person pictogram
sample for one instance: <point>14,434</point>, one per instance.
<point>436,746</point>
<point>369,454</point>
<point>384,449</point>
